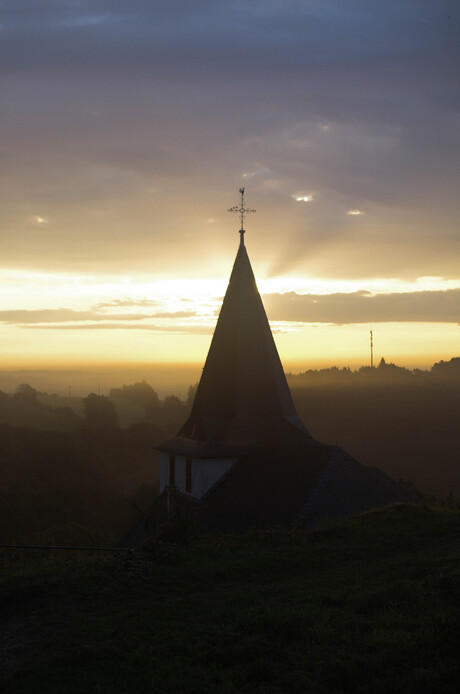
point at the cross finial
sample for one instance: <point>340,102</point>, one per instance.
<point>242,211</point>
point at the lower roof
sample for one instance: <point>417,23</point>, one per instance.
<point>279,484</point>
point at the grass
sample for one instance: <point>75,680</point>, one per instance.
<point>370,604</point>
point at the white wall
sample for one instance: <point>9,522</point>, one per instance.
<point>205,472</point>
<point>164,470</point>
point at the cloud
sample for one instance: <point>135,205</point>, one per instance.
<point>62,315</point>
<point>66,315</point>
<point>117,303</point>
<point>303,197</point>
<point>176,314</point>
<point>185,35</point>
<point>259,171</point>
<point>38,219</point>
<point>290,307</point>
<point>364,307</point>
<point>358,100</point>
<point>180,329</point>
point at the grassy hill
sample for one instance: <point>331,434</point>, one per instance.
<point>370,604</point>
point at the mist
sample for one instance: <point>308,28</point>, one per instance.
<point>87,455</point>
<point>167,379</point>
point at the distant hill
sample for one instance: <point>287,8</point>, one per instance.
<point>385,373</point>
<point>369,604</point>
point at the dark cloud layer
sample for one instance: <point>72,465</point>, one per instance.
<point>60,315</point>
<point>179,329</point>
<point>129,124</point>
<point>120,303</point>
<point>363,307</point>
<point>67,315</point>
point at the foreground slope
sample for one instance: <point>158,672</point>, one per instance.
<point>365,604</point>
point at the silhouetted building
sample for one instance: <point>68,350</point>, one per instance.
<point>244,459</point>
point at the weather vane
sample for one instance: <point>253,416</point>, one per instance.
<point>242,211</point>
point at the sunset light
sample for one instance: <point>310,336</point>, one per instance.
<point>303,198</point>
<point>72,318</point>
<point>116,244</point>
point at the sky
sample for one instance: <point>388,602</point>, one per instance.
<point>127,129</point>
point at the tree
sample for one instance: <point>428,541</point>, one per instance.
<point>142,393</point>
<point>447,369</point>
<point>100,412</point>
<point>173,408</point>
<point>136,402</point>
<point>26,394</point>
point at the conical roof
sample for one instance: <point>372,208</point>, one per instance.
<point>243,393</point>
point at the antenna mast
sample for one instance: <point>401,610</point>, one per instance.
<point>372,350</point>
<point>242,211</point>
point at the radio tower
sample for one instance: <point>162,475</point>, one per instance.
<point>372,350</point>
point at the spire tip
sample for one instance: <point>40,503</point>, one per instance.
<point>242,211</point>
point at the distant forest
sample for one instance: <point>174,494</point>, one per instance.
<point>82,470</point>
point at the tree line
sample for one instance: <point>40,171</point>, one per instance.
<point>64,468</point>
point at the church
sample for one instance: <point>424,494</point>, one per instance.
<point>244,459</point>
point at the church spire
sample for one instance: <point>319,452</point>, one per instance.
<point>242,211</point>
<point>243,393</point>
